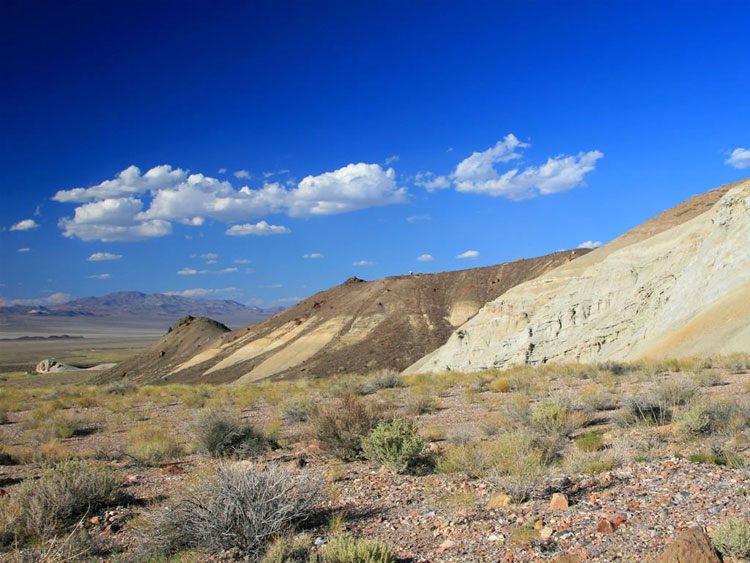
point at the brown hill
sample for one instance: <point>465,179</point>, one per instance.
<point>189,336</point>
<point>356,327</point>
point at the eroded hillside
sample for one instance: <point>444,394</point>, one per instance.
<point>677,285</point>
<point>355,327</point>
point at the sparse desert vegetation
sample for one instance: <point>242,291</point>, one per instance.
<point>176,472</point>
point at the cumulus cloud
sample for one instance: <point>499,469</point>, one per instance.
<point>53,299</point>
<point>115,210</point>
<point>430,182</point>
<point>25,225</point>
<point>590,244</point>
<point>193,272</point>
<point>363,263</point>
<point>478,174</point>
<point>24,250</point>
<point>222,170</point>
<point>740,158</point>
<point>242,174</point>
<point>425,258</point>
<point>469,254</point>
<point>100,256</point>
<point>261,229</point>
<point>201,291</point>
<point>128,182</point>
<point>100,276</point>
<point>313,255</point>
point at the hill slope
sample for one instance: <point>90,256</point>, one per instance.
<point>677,285</point>
<point>357,326</point>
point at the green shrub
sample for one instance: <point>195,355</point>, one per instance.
<point>383,379</point>
<point>555,416</point>
<point>732,538</point>
<point>235,506</point>
<point>219,435</point>
<point>656,405</point>
<point>590,442</point>
<point>148,444</point>
<point>521,463</point>
<point>62,496</point>
<point>420,404</point>
<point>709,417</point>
<point>341,427</point>
<point>296,410</point>
<point>346,549</point>
<point>291,550</point>
<point>474,458</point>
<point>396,444</point>
<point>588,462</point>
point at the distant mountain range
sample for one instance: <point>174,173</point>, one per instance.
<point>143,305</point>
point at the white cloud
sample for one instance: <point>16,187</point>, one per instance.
<point>740,158</point>
<point>201,291</point>
<point>24,250</point>
<point>54,299</point>
<point>38,211</point>
<point>477,173</point>
<point>363,263</point>
<point>415,218</point>
<point>128,182</point>
<point>390,159</point>
<point>25,225</point>
<point>242,174</point>
<point>193,272</point>
<point>222,170</point>
<point>271,286</point>
<point>430,182</point>
<point>100,276</point>
<point>206,256</point>
<point>449,149</point>
<point>469,254</point>
<point>288,299</point>
<point>242,261</point>
<point>100,256</point>
<point>425,258</point>
<point>355,186</point>
<point>276,173</point>
<point>313,255</point>
<point>261,228</point>
<point>112,219</point>
<point>590,244</point>
<point>115,210</point>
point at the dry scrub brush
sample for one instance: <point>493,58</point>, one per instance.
<point>341,426</point>
<point>56,501</point>
<point>219,435</point>
<point>235,506</point>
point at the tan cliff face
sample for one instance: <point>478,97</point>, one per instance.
<point>678,285</point>
<point>356,327</point>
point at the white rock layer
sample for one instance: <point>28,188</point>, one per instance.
<point>684,291</point>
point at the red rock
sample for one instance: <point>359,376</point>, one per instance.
<point>95,520</point>
<point>446,545</point>
<point>567,559</point>
<point>131,478</point>
<point>3,492</point>
<point>558,502</point>
<point>605,527</point>
<point>172,470</point>
<point>691,546</point>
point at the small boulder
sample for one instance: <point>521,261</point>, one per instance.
<point>567,559</point>
<point>691,546</point>
<point>605,527</point>
<point>558,502</point>
<point>172,470</point>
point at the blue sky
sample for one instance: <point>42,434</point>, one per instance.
<point>266,151</point>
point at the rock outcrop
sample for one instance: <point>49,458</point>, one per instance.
<point>677,286</point>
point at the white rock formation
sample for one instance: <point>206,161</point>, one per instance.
<point>669,288</point>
